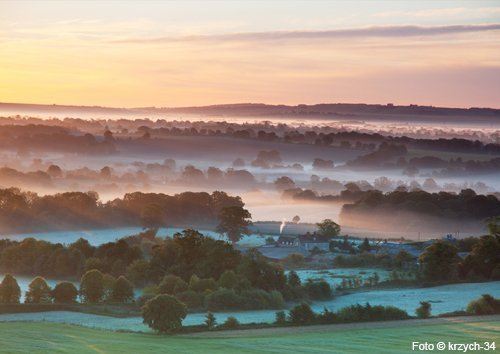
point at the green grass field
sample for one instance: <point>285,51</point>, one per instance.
<point>38,337</point>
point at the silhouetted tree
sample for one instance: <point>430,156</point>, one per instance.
<point>92,286</point>
<point>64,292</point>
<point>123,290</point>
<point>234,222</point>
<point>38,291</point>
<point>328,228</point>
<point>439,261</point>
<point>210,320</point>
<point>424,310</point>
<point>10,292</point>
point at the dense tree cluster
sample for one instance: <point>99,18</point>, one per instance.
<point>207,273</point>
<point>466,205</point>
<point>381,158</point>
<point>31,256</point>
<point>26,211</point>
<point>202,272</point>
<point>440,260</point>
<point>47,138</point>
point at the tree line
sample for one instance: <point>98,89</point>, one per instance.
<point>463,206</point>
<point>25,211</point>
<point>94,287</point>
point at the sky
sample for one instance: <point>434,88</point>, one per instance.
<point>191,53</point>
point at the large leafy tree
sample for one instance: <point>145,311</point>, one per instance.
<point>164,313</point>
<point>234,222</point>
<point>64,292</point>
<point>493,225</point>
<point>328,228</point>
<point>92,286</point>
<point>123,290</point>
<point>38,291</point>
<point>10,292</point>
<point>153,216</point>
<point>439,261</point>
<point>484,259</point>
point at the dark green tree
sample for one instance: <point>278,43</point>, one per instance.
<point>293,279</point>
<point>164,313</point>
<point>231,323</point>
<point>365,246</point>
<point>302,314</point>
<point>38,291</point>
<point>424,310</point>
<point>152,216</point>
<point>172,284</point>
<point>484,257</point>
<point>10,292</point>
<point>234,222</point>
<point>485,305</point>
<point>439,261</point>
<point>493,225</point>
<point>210,320</point>
<point>228,280</point>
<point>138,272</point>
<point>328,228</point>
<point>92,286</point>
<point>123,290</point>
<point>64,292</point>
<point>280,318</point>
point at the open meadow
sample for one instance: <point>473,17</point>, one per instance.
<point>381,337</point>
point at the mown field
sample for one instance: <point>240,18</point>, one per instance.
<point>393,337</point>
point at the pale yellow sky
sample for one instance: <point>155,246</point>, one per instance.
<point>131,54</point>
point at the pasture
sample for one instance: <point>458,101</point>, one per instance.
<point>380,337</point>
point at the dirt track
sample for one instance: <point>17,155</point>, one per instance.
<point>260,332</point>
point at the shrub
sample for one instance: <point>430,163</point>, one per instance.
<point>424,310</point>
<point>231,323</point>
<point>359,313</point>
<point>223,299</point>
<point>327,316</point>
<point>259,299</point>
<point>210,320</point>
<point>485,305</point>
<point>302,314</point>
<point>318,290</point>
<point>280,318</point>
<point>294,260</point>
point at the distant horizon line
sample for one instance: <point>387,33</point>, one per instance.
<point>389,104</point>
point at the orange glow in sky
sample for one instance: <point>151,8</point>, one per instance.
<point>131,54</point>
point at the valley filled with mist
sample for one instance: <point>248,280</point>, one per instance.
<point>374,170</point>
